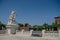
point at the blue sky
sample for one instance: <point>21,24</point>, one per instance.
<point>30,11</point>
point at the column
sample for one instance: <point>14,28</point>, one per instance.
<point>31,32</point>
<point>43,33</point>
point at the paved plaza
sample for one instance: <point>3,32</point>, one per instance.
<point>14,37</point>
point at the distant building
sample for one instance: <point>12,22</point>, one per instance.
<point>57,20</point>
<point>25,27</point>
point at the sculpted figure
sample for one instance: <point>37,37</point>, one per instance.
<point>12,18</point>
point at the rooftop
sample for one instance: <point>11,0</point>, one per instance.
<point>57,17</point>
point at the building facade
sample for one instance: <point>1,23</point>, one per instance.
<point>57,20</point>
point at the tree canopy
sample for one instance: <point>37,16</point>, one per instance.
<point>21,25</point>
<point>2,25</point>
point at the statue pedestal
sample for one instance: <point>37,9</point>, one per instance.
<point>11,29</point>
<point>8,31</point>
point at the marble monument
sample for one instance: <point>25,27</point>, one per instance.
<point>12,25</point>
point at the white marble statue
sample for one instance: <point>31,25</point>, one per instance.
<point>12,18</point>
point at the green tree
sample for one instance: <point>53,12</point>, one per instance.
<point>45,25</point>
<point>35,26</point>
<point>21,25</point>
<point>54,26</point>
<point>39,28</point>
<point>2,25</point>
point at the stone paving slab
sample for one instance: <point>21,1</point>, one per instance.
<point>16,37</point>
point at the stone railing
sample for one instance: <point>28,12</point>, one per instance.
<point>51,34</point>
<point>37,33</point>
<point>44,33</point>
